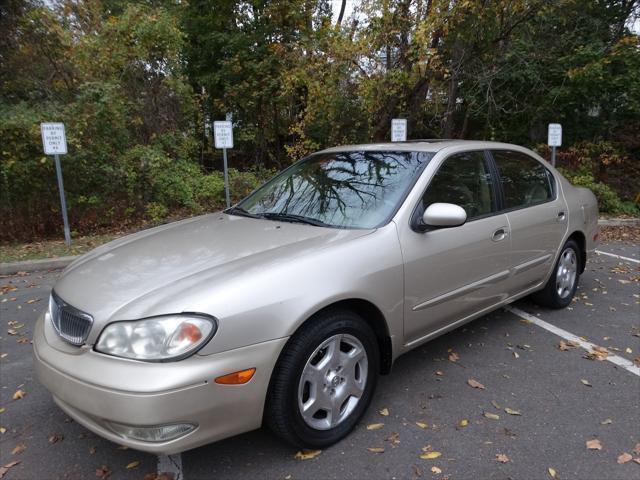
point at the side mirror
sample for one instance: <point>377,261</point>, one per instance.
<point>444,215</point>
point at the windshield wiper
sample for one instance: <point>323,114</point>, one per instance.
<point>241,212</point>
<point>290,217</point>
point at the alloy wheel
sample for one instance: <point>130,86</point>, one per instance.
<point>333,381</point>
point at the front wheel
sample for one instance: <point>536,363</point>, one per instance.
<point>563,283</point>
<point>324,380</point>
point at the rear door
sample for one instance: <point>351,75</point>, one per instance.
<point>451,273</point>
<point>537,216</point>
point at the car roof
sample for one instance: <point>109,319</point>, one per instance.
<point>421,145</point>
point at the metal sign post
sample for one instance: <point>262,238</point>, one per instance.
<point>54,142</point>
<point>223,136</point>
<point>398,129</point>
<point>554,139</point>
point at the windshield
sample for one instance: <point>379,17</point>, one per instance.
<point>344,189</point>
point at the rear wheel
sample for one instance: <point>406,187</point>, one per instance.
<point>563,283</point>
<point>324,380</point>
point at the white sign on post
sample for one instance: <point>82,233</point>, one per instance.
<point>54,140</point>
<point>399,130</point>
<point>223,133</point>
<point>555,135</point>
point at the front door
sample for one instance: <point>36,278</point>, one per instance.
<point>451,273</point>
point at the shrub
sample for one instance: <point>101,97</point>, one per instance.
<point>608,200</point>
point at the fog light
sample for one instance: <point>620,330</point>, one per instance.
<point>157,433</point>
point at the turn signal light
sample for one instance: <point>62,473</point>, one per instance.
<point>237,378</point>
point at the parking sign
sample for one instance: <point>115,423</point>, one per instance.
<point>54,140</point>
<point>555,135</point>
<point>223,134</point>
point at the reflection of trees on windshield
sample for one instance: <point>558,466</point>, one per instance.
<point>343,189</point>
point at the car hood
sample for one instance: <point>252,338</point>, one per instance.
<point>139,274</point>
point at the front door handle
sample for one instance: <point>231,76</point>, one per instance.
<point>499,234</point>
<point>561,216</point>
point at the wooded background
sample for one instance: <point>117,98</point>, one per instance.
<point>139,83</point>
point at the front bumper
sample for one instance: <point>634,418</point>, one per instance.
<point>95,389</point>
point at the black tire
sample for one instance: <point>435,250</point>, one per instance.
<point>549,296</point>
<point>282,411</point>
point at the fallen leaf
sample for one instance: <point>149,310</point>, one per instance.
<point>463,423</point>
<point>134,464</point>
<point>3,430</point>
<point>18,449</point>
<point>594,444</point>
<point>394,439</point>
<point>55,438</point>
<point>93,450</point>
<point>492,416</point>
<point>454,357</point>
<point>624,458</point>
<point>495,404</point>
<point>375,426</point>
<point>103,472</point>
<point>511,411</point>
<point>475,384</point>
<point>597,353</point>
<point>627,350</point>
<point>430,455</point>
<point>417,471</point>
<point>5,469</point>
<point>515,354</point>
<point>1,409</point>
<point>436,470</point>
<point>608,421</point>
<point>422,425</point>
<point>563,346</point>
<point>552,472</point>
<point>376,449</point>
<point>439,373</point>
<point>307,454</point>
<point>3,355</point>
<point>502,458</point>
<point>384,412</point>
<point>585,382</point>
<point>122,447</point>
<point>19,394</point>
<point>636,449</point>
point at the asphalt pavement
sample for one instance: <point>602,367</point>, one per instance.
<point>527,413</point>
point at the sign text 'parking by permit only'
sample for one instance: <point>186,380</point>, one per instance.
<point>54,140</point>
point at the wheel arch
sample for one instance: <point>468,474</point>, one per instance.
<point>373,316</point>
<point>581,240</point>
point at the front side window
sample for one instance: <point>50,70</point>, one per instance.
<point>360,189</point>
<point>464,179</point>
<point>525,181</point>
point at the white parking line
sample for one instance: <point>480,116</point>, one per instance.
<point>634,260</point>
<point>171,464</point>
<point>620,361</point>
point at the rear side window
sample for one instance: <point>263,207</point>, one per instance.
<point>525,181</point>
<point>465,180</point>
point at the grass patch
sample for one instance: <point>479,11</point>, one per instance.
<point>52,248</point>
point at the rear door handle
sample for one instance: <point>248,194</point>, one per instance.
<point>561,216</point>
<point>499,234</point>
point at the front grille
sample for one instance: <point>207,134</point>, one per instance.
<point>70,323</point>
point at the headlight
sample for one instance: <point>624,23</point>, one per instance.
<point>168,337</point>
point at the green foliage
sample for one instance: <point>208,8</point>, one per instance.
<point>139,83</point>
<point>608,200</point>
